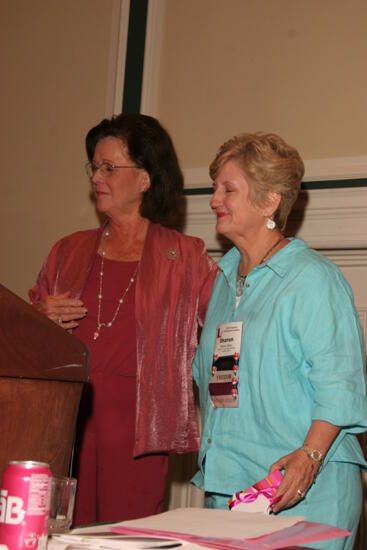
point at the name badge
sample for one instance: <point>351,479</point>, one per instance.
<point>223,383</point>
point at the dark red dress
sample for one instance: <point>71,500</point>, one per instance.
<point>112,485</point>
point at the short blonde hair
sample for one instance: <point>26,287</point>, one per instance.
<point>269,165</point>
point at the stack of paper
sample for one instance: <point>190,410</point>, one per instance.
<point>197,527</point>
<point>112,541</point>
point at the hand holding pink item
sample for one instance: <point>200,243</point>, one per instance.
<point>259,497</point>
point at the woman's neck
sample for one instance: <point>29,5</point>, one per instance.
<point>258,250</point>
<point>126,238</point>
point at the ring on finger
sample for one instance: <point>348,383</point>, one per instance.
<point>59,320</point>
<point>300,493</point>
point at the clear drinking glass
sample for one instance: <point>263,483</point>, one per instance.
<point>63,491</point>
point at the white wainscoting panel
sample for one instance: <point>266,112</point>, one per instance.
<point>324,218</point>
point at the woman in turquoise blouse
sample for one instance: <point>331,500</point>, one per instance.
<point>297,395</point>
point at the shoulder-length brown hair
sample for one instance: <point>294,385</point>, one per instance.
<point>150,147</point>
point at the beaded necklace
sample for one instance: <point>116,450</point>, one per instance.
<point>109,324</point>
<point>241,279</point>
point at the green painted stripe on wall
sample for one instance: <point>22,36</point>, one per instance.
<point>135,56</point>
<point>308,185</point>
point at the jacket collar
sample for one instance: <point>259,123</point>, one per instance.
<point>279,263</point>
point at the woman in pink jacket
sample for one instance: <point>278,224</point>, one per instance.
<point>134,291</point>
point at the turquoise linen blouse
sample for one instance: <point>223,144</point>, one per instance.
<point>302,358</point>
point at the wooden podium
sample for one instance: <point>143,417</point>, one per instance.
<point>42,371</point>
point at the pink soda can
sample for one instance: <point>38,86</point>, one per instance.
<point>24,505</point>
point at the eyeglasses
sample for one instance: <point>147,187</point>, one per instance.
<point>106,168</point>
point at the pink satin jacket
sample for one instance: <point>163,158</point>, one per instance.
<point>173,288</point>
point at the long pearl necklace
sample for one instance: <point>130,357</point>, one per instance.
<point>241,279</point>
<point>109,324</point>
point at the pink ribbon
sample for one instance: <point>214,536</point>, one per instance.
<point>269,493</point>
<point>266,487</point>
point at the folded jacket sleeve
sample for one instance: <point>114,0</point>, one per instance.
<point>44,283</point>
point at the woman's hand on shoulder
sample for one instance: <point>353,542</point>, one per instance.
<point>299,474</point>
<point>62,309</point>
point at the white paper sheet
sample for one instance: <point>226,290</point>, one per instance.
<point>193,528</point>
<point>117,542</point>
<point>214,523</point>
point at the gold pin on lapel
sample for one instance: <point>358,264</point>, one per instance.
<point>172,254</point>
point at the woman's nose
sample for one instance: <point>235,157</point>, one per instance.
<point>214,201</point>
<point>96,176</point>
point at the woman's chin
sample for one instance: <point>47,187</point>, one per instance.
<point>225,232</point>
<point>102,207</point>
<point>221,227</point>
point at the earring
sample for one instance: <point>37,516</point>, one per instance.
<point>270,224</point>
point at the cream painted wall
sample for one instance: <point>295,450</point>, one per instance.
<point>215,68</point>
<point>295,67</point>
<point>58,78</point>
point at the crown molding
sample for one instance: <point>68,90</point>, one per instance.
<point>331,218</point>
<point>327,219</point>
<point>343,259</point>
<point>338,168</point>
<point>347,258</point>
